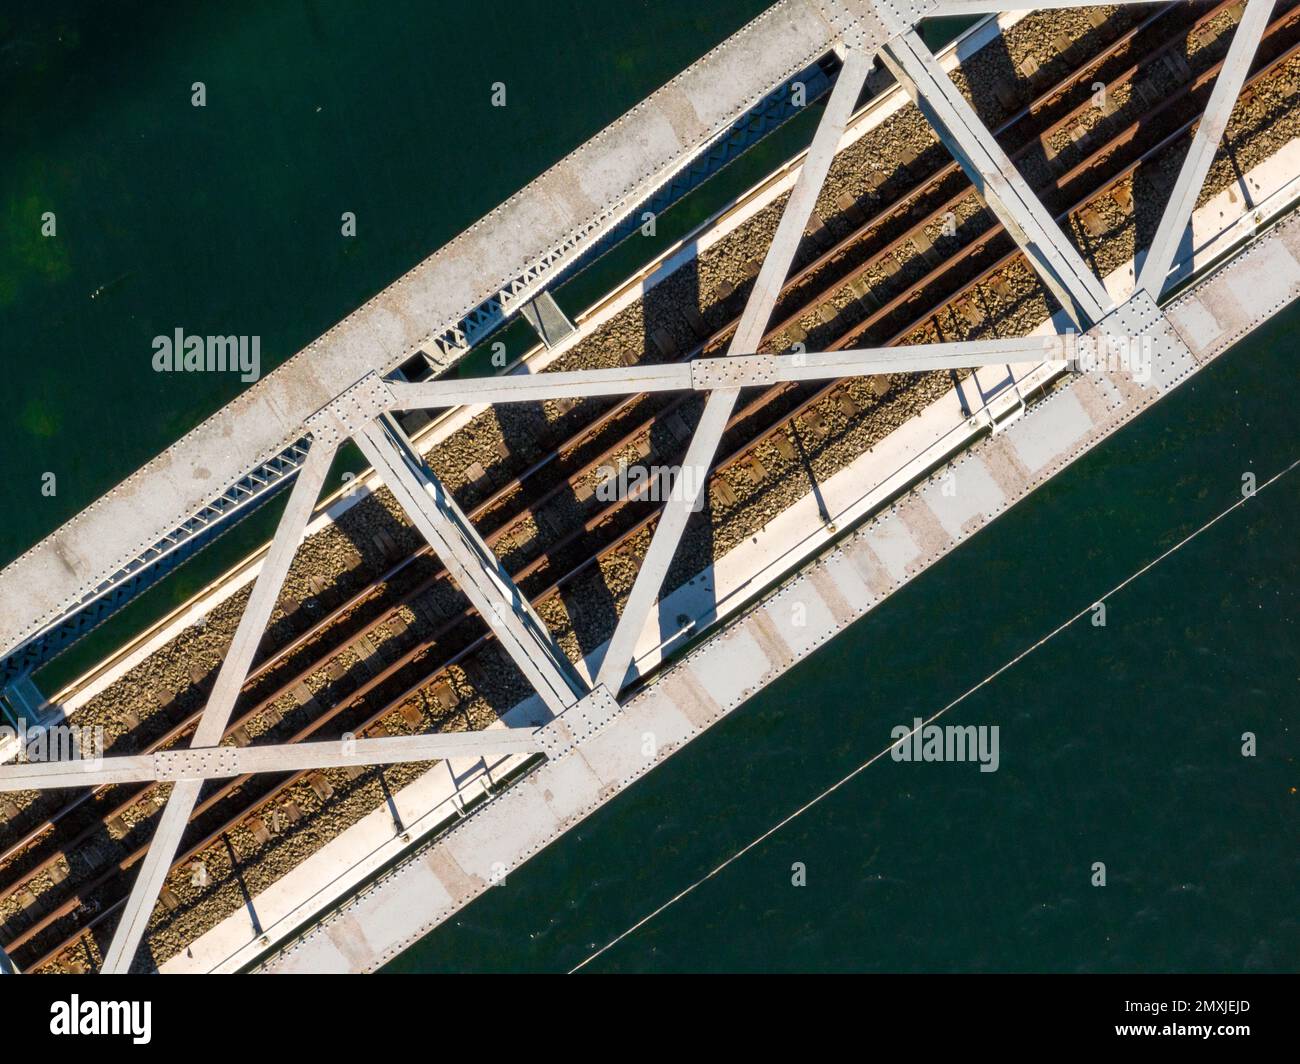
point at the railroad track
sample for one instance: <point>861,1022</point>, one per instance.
<point>761,417</point>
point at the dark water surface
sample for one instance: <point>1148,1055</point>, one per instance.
<point>1119,744</point>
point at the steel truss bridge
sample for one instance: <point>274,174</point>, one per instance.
<point>288,427</point>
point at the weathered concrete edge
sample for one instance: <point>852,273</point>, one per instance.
<point>1209,317</point>
<point>572,204</point>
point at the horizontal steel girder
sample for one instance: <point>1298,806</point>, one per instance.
<point>221,703</point>
<point>216,762</point>
<point>731,371</point>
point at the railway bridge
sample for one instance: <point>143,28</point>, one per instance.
<point>392,356</point>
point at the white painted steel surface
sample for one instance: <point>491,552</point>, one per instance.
<point>1177,215</point>
<point>217,762</point>
<point>981,7</point>
<point>476,570</point>
<point>997,180</point>
<point>927,523</point>
<point>749,333</point>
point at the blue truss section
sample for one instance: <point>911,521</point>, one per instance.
<point>164,557</point>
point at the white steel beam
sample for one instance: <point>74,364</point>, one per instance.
<point>997,180</point>
<point>749,333</point>
<point>1209,134</point>
<point>216,762</point>
<point>477,571</point>
<point>730,370</point>
<point>924,358</point>
<point>535,387</point>
<point>216,714</point>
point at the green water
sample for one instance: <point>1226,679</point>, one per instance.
<point>1119,744</point>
